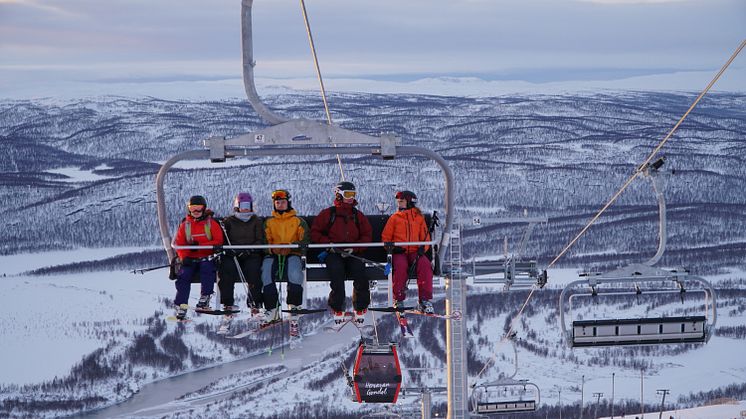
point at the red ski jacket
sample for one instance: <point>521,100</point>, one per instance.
<point>344,229</point>
<point>204,232</point>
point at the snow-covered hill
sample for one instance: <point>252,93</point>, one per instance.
<point>79,179</point>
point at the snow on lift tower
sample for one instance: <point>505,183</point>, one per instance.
<point>635,281</point>
<point>506,395</point>
<point>517,271</point>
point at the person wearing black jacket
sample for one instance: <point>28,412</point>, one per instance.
<point>244,227</point>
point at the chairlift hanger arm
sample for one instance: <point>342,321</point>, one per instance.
<point>247,48</point>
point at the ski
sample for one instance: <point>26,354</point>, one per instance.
<point>261,328</point>
<point>455,315</point>
<point>225,325</point>
<point>336,327</point>
<point>304,311</point>
<point>216,312</point>
<point>391,309</point>
<point>175,319</point>
<point>406,331</point>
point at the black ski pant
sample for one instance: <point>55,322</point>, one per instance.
<point>251,267</point>
<point>339,268</point>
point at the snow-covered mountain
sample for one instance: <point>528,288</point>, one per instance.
<point>79,174</point>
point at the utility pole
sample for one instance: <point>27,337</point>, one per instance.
<point>642,402</point>
<point>582,393</point>
<point>612,395</point>
<point>663,392</point>
<point>598,399</point>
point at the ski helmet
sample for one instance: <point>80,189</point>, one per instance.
<point>197,200</point>
<point>344,190</point>
<point>243,200</point>
<point>408,196</point>
<point>280,194</point>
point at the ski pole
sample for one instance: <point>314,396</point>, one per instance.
<point>249,297</point>
<point>381,266</point>
<point>143,270</point>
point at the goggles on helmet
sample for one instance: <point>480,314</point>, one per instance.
<point>279,194</point>
<point>196,208</point>
<point>347,194</point>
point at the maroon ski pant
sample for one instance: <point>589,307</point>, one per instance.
<point>401,264</point>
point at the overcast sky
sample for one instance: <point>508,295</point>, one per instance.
<point>43,42</point>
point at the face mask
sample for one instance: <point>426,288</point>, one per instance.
<point>243,216</point>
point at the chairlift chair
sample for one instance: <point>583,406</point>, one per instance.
<point>632,281</point>
<point>518,272</point>
<point>505,396</point>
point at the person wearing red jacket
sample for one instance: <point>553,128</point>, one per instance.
<point>344,223</point>
<point>409,225</point>
<point>197,229</point>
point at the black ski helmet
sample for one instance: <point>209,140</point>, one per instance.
<point>408,196</point>
<point>197,200</point>
<point>342,187</point>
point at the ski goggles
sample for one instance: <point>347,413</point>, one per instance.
<point>348,194</point>
<point>280,194</point>
<point>196,208</point>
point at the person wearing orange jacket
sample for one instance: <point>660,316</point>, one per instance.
<point>198,228</point>
<point>409,225</point>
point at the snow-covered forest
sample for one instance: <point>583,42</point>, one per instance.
<point>81,174</point>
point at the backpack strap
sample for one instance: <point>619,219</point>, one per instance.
<point>333,216</point>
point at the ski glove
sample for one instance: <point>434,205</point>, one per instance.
<point>322,256</point>
<point>387,269</point>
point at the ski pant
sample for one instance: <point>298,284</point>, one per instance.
<point>205,269</point>
<point>251,268</point>
<point>277,267</point>
<point>401,264</point>
<point>339,268</point>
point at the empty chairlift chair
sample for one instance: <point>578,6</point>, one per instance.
<point>631,284</point>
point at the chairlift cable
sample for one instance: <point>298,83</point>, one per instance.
<point>652,155</point>
<point>508,335</point>
<point>321,80</point>
<point>637,173</point>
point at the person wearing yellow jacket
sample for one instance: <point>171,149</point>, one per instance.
<point>283,227</point>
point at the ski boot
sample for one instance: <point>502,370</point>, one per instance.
<point>204,303</point>
<point>360,316</point>
<point>426,307</point>
<point>271,316</point>
<point>294,326</point>
<point>339,317</point>
<point>181,312</point>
